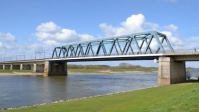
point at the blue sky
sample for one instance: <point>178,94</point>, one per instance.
<point>27,26</point>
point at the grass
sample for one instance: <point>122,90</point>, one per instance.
<point>174,98</point>
<point>12,71</point>
<point>99,70</point>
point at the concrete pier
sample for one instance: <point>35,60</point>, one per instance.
<point>55,69</point>
<point>170,71</point>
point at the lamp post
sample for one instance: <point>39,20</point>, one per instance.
<point>20,55</point>
<point>39,53</point>
<point>7,57</point>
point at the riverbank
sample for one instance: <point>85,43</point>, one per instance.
<point>19,73</point>
<point>88,71</point>
<point>178,97</point>
<point>108,72</point>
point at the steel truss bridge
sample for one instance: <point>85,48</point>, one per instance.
<point>151,42</point>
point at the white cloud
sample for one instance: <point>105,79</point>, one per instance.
<point>50,43</point>
<point>149,26</point>
<point>1,45</point>
<point>138,23</point>
<point>49,27</point>
<point>49,35</point>
<point>171,27</point>
<point>194,38</point>
<point>50,31</point>
<point>6,37</point>
<point>132,24</point>
<point>174,40</point>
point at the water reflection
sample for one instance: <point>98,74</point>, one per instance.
<point>28,90</point>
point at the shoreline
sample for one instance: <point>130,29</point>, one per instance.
<point>21,73</point>
<point>60,101</point>
<point>41,74</point>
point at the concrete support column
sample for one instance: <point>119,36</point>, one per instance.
<point>3,66</point>
<point>55,69</point>
<point>170,71</point>
<point>21,66</point>
<point>34,67</point>
<point>46,68</point>
<point>10,66</point>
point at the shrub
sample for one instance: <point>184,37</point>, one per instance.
<point>197,76</point>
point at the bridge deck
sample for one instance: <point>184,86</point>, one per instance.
<point>110,58</point>
<point>186,56</point>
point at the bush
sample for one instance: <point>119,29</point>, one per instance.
<point>197,76</point>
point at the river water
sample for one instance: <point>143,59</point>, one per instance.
<point>18,91</point>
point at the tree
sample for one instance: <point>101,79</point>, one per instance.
<point>125,65</point>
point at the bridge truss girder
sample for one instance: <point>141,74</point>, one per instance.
<point>138,43</point>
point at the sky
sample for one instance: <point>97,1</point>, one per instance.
<point>29,26</point>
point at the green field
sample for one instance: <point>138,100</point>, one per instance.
<point>107,69</point>
<point>12,71</point>
<point>174,98</point>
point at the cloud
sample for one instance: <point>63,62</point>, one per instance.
<point>50,43</point>
<point>1,45</point>
<point>149,26</point>
<point>48,35</point>
<point>194,38</point>
<point>6,37</point>
<point>173,39</point>
<point>138,23</point>
<point>132,24</point>
<point>171,27</point>
<point>50,31</point>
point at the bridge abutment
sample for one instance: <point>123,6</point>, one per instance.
<point>55,69</point>
<point>170,71</point>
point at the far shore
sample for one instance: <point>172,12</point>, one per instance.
<point>109,72</point>
<point>40,74</point>
<point>20,73</point>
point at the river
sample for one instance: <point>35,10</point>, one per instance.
<point>16,91</point>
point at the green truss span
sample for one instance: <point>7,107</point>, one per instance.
<point>151,42</point>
